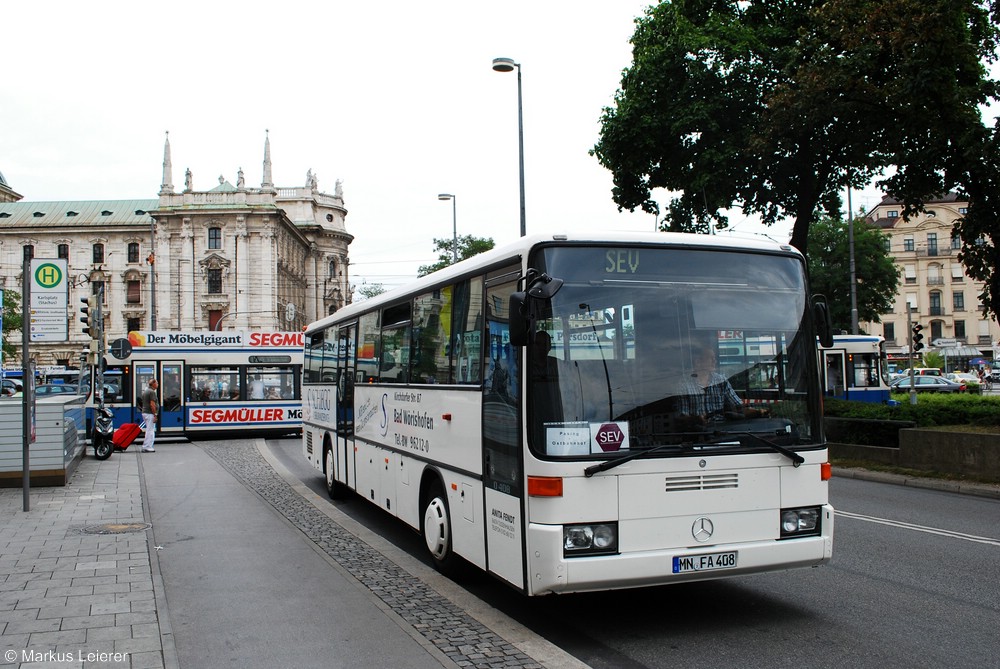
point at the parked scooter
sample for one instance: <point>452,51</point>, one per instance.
<point>103,433</point>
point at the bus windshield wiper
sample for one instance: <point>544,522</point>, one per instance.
<point>632,455</point>
<point>796,459</point>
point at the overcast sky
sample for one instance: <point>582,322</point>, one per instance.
<point>397,99</point>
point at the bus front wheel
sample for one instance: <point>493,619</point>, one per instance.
<point>437,530</point>
<point>334,488</point>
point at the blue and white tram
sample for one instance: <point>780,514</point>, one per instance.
<point>855,368</point>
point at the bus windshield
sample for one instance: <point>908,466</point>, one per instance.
<point>645,347</point>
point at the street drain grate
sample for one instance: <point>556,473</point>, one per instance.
<point>116,528</point>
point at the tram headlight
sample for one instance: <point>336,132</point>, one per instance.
<point>590,539</point>
<point>802,522</point>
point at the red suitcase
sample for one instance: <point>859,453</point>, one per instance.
<point>125,435</point>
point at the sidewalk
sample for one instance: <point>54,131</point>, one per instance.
<point>76,587</point>
<point>257,572</point>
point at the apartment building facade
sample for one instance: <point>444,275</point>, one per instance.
<point>933,287</point>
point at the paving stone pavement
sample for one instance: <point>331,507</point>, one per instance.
<point>79,588</point>
<point>76,585</point>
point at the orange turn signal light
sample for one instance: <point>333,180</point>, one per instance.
<point>545,486</point>
<point>825,471</point>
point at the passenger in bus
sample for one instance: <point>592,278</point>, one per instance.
<point>273,393</point>
<point>257,388</point>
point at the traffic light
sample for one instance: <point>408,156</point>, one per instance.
<point>91,326</point>
<point>918,339</point>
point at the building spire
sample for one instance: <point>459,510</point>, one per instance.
<point>267,184</point>
<point>167,186</point>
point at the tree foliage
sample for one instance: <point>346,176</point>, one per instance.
<point>777,106</point>
<point>13,321</point>
<point>468,246</point>
<point>829,271</point>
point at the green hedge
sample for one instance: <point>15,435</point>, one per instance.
<point>930,410</point>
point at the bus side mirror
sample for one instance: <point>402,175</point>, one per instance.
<point>821,320</point>
<point>518,319</point>
<point>538,287</point>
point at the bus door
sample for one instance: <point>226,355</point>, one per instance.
<point>834,374</point>
<point>345,405</point>
<point>170,376</point>
<point>503,458</point>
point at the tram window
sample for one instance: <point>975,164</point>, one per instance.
<point>214,383</point>
<point>270,383</point>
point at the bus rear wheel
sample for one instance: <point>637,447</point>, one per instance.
<point>437,531</point>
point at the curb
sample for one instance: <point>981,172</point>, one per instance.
<point>943,485</point>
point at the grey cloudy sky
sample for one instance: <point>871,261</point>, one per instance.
<point>397,99</point>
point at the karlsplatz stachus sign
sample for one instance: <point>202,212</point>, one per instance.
<point>49,300</point>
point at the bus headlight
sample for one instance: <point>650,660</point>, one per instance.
<point>802,522</point>
<point>590,539</point>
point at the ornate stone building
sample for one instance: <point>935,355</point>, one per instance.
<point>267,258</point>
<point>941,297</point>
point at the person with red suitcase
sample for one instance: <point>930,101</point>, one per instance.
<point>149,406</point>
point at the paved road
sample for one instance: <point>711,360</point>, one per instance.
<point>913,583</point>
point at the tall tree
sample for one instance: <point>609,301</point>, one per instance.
<point>468,246</point>
<point>829,271</point>
<point>13,321</point>
<point>777,106</point>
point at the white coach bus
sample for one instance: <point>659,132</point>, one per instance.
<point>543,411</point>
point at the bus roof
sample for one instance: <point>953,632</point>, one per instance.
<point>522,245</point>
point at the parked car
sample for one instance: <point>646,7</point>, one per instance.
<point>963,377</point>
<point>10,386</point>
<point>55,388</point>
<point>928,384</point>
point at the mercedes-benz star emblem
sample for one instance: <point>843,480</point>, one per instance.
<point>702,530</point>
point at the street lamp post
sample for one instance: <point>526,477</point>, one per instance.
<point>454,224</point>
<point>507,65</point>
<point>854,279</point>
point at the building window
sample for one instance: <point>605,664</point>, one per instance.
<point>889,331</point>
<point>892,213</point>
<point>215,281</point>
<point>936,309</point>
<point>134,292</point>
<point>956,241</point>
<point>932,249</point>
<point>960,329</point>
<point>63,251</point>
<point>963,210</point>
<point>97,288</point>
<point>910,274</point>
<point>133,252</point>
<point>887,244</point>
<point>214,316</point>
<point>98,254</point>
<point>958,301</point>
<point>215,238</point>
<point>333,268</point>
<point>908,243</point>
<point>133,324</point>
